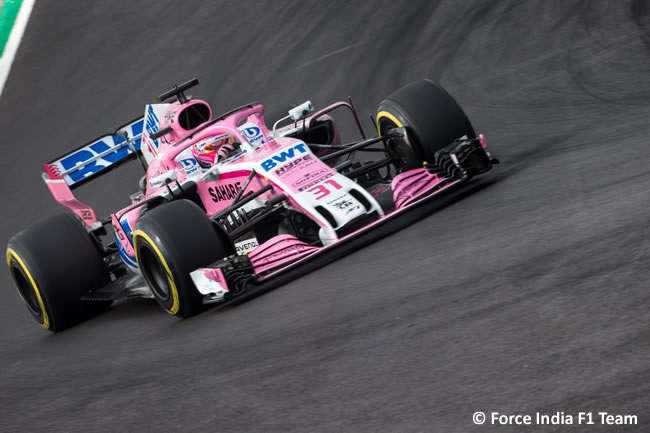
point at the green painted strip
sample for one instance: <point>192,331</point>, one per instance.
<point>8,14</point>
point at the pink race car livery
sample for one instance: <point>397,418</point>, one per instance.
<point>231,202</point>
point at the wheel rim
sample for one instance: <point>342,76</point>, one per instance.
<point>26,291</point>
<point>408,157</point>
<point>155,274</point>
<point>385,124</point>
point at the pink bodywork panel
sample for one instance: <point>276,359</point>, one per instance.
<point>218,195</point>
<point>216,275</point>
<point>413,185</point>
<point>277,251</point>
<point>210,281</point>
<point>122,237</point>
<point>482,140</point>
<point>171,115</point>
<point>63,194</point>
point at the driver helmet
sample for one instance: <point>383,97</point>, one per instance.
<point>213,149</point>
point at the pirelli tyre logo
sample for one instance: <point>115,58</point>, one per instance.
<point>225,192</point>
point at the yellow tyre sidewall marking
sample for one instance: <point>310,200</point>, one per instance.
<point>175,302</point>
<point>12,255</point>
<point>393,119</point>
<point>389,116</point>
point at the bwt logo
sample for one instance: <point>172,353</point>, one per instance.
<point>283,156</point>
<point>87,154</point>
<point>102,146</point>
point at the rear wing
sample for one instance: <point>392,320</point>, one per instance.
<point>98,156</point>
<point>109,151</point>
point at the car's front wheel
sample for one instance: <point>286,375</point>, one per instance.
<point>170,242</point>
<point>432,118</point>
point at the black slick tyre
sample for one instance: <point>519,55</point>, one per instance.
<point>170,242</point>
<point>431,116</point>
<point>53,264</point>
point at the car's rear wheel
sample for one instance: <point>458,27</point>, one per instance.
<point>431,116</point>
<point>53,264</point>
<point>170,242</point>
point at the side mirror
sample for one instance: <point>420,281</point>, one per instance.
<point>163,179</point>
<point>301,110</point>
<point>296,113</point>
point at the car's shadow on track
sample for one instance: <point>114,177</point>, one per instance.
<point>139,306</point>
<point>95,319</point>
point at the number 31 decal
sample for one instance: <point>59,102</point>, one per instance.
<point>322,191</point>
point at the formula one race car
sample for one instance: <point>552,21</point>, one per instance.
<point>233,201</point>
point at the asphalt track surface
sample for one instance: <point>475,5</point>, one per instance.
<point>528,295</point>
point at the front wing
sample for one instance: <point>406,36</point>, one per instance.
<point>455,165</point>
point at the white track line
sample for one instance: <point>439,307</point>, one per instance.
<point>330,54</point>
<point>14,40</point>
